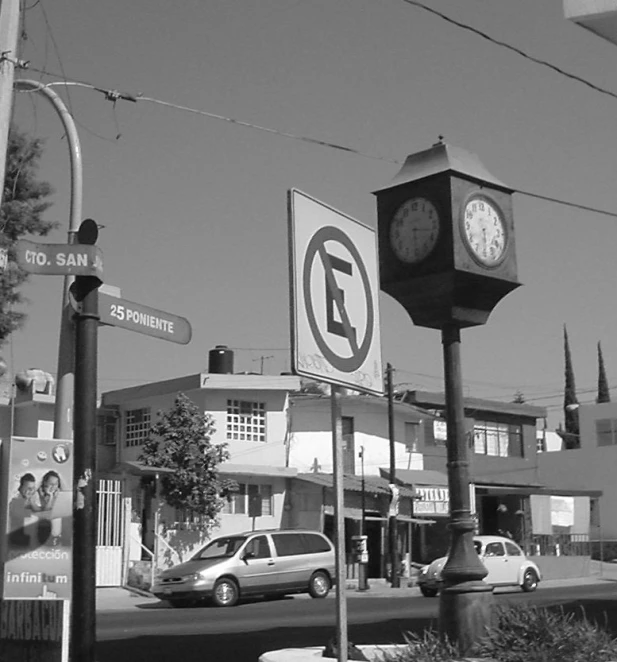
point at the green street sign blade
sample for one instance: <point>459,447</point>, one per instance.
<point>115,311</point>
<point>59,259</point>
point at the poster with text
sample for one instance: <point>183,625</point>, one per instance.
<point>39,519</point>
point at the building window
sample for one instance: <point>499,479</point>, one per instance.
<point>107,430</point>
<point>606,431</point>
<point>136,426</point>
<point>349,447</point>
<point>411,437</point>
<point>246,421</point>
<point>440,433</point>
<point>238,503</point>
<point>498,439</point>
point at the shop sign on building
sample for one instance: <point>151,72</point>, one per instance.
<point>432,501</point>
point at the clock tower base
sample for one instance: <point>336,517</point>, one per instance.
<point>459,298</point>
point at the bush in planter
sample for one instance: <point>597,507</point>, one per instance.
<point>521,633</point>
<point>531,634</point>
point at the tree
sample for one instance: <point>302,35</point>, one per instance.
<point>604,394</point>
<point>180,441</point>
<point>570,402</point>
<point>24,201</point>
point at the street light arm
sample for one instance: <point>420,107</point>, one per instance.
<point>63,420</point>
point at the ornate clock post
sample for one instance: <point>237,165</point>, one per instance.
<point>447,254</point>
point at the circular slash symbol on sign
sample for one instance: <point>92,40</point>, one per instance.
<point>335,299</point>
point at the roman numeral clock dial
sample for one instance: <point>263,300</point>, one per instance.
<point>484,230</point>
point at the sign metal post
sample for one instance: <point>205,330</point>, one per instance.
<point>335,332</point>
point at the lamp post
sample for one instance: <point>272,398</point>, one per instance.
<point>63,419</point>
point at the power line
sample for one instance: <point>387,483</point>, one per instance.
<point>115,95</point>
<point>514,49</point>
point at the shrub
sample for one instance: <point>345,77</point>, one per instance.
<point>520,633</point>
<point>532,634</point>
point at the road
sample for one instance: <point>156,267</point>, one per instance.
<point>158,633</point>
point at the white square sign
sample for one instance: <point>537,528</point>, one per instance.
<point>334,296</point>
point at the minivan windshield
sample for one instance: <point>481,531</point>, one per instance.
<point>220,548</point>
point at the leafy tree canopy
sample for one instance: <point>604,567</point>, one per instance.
<point>24,201</point>
<point>180,441</point>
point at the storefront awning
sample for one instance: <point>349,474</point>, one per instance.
<point>424,477</point>
<point>526,490</point>
<point>356,514</point>
<point>372,484</point>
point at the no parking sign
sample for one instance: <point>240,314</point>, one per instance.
<point>334,296</point>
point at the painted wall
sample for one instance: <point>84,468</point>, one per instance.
<point>179,544</point>
<point>590,467</point>
<point>311,434</point>
<point>271,452</point>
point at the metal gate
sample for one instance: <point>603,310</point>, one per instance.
<point>110,534</point>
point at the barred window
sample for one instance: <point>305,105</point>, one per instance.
<point>238,503</point>
<point>246,421</point>
<point>498,439</point>
<point>136,426</point>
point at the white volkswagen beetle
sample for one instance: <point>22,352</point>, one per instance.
<point>502,557</point>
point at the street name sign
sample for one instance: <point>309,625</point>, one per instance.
<point>334,296</point>
<point>115,311</point>
<point>59,259</point>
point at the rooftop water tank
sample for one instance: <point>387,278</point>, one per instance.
<point>221,360</point>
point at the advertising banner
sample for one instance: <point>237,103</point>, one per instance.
<point>39,519</point>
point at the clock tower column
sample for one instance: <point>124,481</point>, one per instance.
<point>447,254</point>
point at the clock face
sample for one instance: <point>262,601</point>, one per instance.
<point>485,231</point>
<point>414,230</point>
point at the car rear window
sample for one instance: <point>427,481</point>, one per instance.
<point>288,544</point>
<point>292,544</point>
<point>316,544</point>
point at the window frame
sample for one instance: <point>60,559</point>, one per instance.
<point>495,439</point>
<point>245,420</point>
<point>139,430</point>
<point>611,432</point>
<point>238,502</point>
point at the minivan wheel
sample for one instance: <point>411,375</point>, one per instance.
<point>225,593</point>
<point>530,581</point>
<point>319,585</point>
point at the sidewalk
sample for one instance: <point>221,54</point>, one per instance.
<point>122,599</point>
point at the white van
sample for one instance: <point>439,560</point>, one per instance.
<point>267,562</point>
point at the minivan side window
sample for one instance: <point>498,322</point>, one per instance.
<point>315,544</point>
<point>259,547</point>
<point>288,544</point>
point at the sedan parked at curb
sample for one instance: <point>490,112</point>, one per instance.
<point>268,562</point>
<point>505,561</point>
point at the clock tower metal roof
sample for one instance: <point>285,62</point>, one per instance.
<point>441,158</point>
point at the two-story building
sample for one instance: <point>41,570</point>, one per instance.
<point>548,514</point>
<point>592,464</point>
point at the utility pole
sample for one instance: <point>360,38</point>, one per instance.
<point>392,524</point>
<point>9,30</point>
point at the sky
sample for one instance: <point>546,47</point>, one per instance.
<point>194,205</point>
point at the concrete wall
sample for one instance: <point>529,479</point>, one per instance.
<point>272,452</point>
<point>563,567</point>
<point>590,467</point>
<point>311,435</point>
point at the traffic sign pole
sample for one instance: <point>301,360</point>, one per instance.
<point>339,527</point>
<point>83,612</point>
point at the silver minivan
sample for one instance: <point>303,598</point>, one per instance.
<point>268,562</point>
